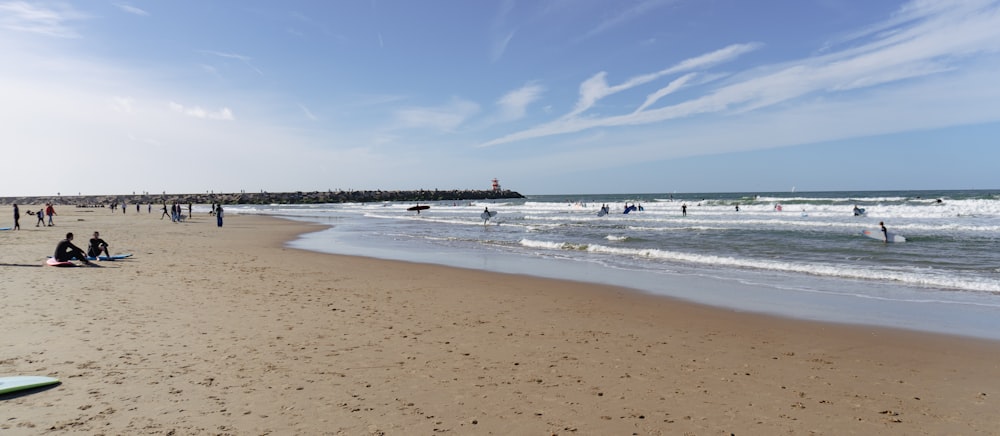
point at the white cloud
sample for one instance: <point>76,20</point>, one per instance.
<point>672,87</point>
<point>930,40</point>
<point>596,87</point>
<point>224,114</point>
<point>514,104</point>
<point>308,113</point>
<point>242,58</point>
<point>123,104</point>
<point>445,118</point>
<point>635,11</point>
<point>132,9</point>
<point>52,21</point>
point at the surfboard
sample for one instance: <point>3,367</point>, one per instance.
<point>486,216</point>
<point>413,208</point>
<point>877,235</point>
<point>4,228</point>
<point>22,382</point>
<point>113,257</point>
<point>53,262</point>
<point>602,212</point>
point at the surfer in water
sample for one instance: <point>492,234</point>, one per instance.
<point>885,232</point>
<point>66,251</point>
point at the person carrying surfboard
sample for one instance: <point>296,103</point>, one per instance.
<point>885,232</point>
<point>65,251</point>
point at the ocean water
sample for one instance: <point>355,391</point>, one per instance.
<point>808,260</point>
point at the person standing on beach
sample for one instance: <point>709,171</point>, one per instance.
<point>885,232</point>
<point>218,215</point>
<point>49,210</point>
<point>17,218</point>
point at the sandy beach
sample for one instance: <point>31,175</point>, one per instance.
<point>209,330</point>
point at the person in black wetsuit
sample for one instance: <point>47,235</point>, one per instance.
<point>66,251</point>
<point>97,246</point>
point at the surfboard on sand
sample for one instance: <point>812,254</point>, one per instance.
<point>417,208</point>
<point>877,235</point>
<point>22,382</point>
<point>487,215</point>
<point>53,262</point>
<point>113,257</point>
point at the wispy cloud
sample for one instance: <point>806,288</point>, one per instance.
<point>52,21</point>
<point>445,118</point>
<point>922,39</point>
<point>122,104</point>
<point>635,11</point>
<point>596,87</point>
<point>132,9</point>
<point>224,114</point>
<point>501,34</point>
<point>245,59</point>
<point>514,104</point>
<point>308,113</point>
<point>500,46</point>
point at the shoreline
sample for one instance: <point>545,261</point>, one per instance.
<point>229,331</point>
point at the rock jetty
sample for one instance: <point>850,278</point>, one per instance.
<point>298,197</point>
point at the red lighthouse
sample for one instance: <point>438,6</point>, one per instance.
<point>496,185</point>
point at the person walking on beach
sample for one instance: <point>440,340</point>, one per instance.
<point>41,217</point>
<point>218,215</point>
<point>885,232</point>
<point>66,251</point>
<point>49,211</point>
<point>17,218</point>
<point>164,211</point>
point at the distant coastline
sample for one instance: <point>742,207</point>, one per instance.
<point>298,197</point>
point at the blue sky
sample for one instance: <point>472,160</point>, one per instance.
<point>549,96</point>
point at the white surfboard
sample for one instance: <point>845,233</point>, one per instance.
<point>487,215</point>
<point>877,235</point>
<point>22,382</point>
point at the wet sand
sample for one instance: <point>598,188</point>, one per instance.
<point>224,331</point>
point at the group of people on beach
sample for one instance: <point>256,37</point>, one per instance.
<point>48,211</point>
<point>67,251</point>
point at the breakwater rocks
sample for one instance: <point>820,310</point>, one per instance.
<point>268,197</point>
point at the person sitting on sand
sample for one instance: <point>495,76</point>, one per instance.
<point>66,251</point>
<point>97,246</point>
